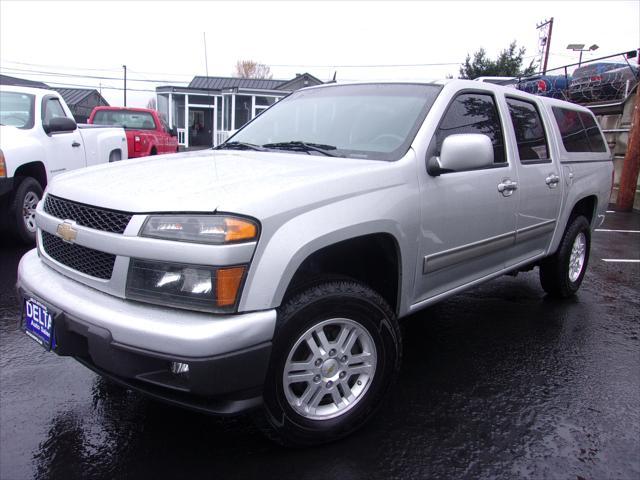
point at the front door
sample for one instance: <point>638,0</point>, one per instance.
<point>467,222</point>
<point>65,150</point>
<point>201,126</point>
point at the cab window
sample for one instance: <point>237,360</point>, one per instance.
<point>52,109</point>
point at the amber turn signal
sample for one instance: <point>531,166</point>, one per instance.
<point>238,229</point>
<point>227,285</point>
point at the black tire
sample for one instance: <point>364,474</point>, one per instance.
<point>153,151</point>
<point>26,188</point>
<point>115,156</point>
<point>555,270</point>
<point>340,299</point>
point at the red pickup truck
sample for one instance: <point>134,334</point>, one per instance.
<point>147,133</point>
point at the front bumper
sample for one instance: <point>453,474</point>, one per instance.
<point>135,343</point>
<point>6,186</point>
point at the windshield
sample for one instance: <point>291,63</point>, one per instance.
<point>125,118</point>
<point>16,109</point>
<point>372,121</point>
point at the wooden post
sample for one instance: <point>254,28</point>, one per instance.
<point>631,165</point>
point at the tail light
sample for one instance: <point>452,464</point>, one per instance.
<point>542,86</point>
<point>3,166</point>
<point>137,144</point>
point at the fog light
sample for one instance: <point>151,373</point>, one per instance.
<point>177,368</point>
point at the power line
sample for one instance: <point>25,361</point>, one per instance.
<point>94,77</point>
<point>371,66</point>
<point>92,69</point>
<point>104,87</point>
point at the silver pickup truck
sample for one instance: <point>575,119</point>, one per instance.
<point>273,270</point>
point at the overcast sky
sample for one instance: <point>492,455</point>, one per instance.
<point>163,40</point>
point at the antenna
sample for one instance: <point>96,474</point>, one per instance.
<point>214,114</point>
<point>206,65</point>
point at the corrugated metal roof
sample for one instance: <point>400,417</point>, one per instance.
<point>219,83</point>
<point>74,95</point>
<point>7,80</point>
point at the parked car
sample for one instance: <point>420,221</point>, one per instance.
<point>554,86</point>
<point>147,133</point>
<point>38,140</point>
<point>273,270</point>
<point>603,81</point>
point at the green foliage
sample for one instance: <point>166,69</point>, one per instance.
<point>508,64</point>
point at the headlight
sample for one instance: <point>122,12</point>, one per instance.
<point>194,287</point>
<point>213,229</point>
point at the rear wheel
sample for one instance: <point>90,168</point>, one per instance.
<point>23,210</point>
<point>562,273</point>
<point>335,356</point>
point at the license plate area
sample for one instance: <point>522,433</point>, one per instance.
<point>37,322</point>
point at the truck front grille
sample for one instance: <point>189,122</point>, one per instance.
<point>82,259</point>
<point>86,215</point>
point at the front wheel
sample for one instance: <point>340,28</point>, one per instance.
<point>561,274</point>
<point>336,353</point>
<point>23,210</point>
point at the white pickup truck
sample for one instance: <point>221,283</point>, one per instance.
<point>39,139</point>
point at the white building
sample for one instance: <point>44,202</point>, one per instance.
<point>205,112</point>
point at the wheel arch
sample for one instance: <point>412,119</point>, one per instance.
<point>34,170</point>
<point>323,255</point>
<point>373,259</point>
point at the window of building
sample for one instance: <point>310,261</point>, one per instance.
<point>243,110</point>
<point>530,135</point>
<point>473,113</point>
<point>579,131</point>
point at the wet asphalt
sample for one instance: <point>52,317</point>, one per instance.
<point>497,382</point>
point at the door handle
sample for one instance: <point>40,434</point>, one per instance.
<point>552,180</point>
<point>75,144</point>
<point>507,187</point>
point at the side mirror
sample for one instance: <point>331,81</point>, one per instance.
<point>467,151</point>
<point>59,125</point>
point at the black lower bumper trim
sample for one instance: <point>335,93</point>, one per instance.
<point>223,384</point>
<point>211,406</point>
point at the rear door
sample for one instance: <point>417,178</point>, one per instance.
<point>539,174</point>
<point>468,219</point>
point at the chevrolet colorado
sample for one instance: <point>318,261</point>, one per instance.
<point>272,271</point>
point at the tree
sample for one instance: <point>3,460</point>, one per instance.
<point>252,69</point>
<point>151,104</point>
<point>508,64</point>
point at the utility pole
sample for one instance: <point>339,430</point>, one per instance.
<point>546,41</point>
<point>631,165</point>
<point>125,84</point>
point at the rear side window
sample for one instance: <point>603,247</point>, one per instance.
<point>473,113</point>
<point>593,132</point>
<point>579,131</point>
<point>530,135</point>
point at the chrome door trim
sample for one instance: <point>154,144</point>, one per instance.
<point>441,296</point>
<point>532,231</point>
<point>447,258</point>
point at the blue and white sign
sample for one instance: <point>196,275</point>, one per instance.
<point>38,322</point>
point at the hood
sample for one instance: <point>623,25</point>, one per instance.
<point>244,182</point>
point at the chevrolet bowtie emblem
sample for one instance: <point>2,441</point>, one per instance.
<point>66,232</point>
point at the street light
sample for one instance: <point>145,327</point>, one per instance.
<point>579,47</point>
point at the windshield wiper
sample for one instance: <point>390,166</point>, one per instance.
<point>240,146</point>
<point>303,147</point>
